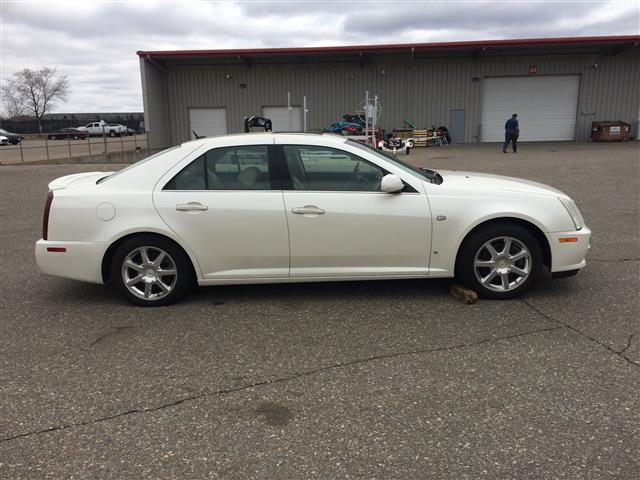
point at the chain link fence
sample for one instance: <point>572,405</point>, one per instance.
<point>44,149</point>
<point>54,122</point>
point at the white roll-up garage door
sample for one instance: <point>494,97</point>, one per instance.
<point>279,116</point>
<point>208,121</point>
<point>546,107</point>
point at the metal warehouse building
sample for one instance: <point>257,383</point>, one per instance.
<point>557,87</point>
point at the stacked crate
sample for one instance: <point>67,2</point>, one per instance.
<point>420,138</point>
<point>403,133</point>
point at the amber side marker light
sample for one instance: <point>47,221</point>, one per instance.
<point>56,249</point>
<point>568,239</point>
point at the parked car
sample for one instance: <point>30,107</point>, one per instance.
<point>273,208</point>
<point>103,128</point>
<point>4,140</point>
<point>120,129</point>
<point>66,133</point>
<point>13,138</point>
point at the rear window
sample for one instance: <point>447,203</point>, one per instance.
<point>137,164</point>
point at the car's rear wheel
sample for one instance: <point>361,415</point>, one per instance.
<point>499,261</point>
<point>151,271</point>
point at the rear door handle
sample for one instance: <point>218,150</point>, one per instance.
<point>308,210</point>
<point>191,207</point>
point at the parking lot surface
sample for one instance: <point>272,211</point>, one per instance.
<point>391,379</point>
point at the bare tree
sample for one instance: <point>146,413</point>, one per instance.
<point>35,91</point>
<point>12,108</point>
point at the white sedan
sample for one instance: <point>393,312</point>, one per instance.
<point>271,208</point>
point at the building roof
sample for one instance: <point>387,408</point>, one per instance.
<point>614,42</point>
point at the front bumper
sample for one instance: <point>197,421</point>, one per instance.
<point>569,255</point>
<point>80,260</point>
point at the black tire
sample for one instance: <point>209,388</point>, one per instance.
<point>75,137</point>
<point>185,275</point>
<point>112,133</point>
<point>466,272</point>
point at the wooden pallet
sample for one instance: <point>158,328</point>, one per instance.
<point>420,138</point>
<point>403,133</point>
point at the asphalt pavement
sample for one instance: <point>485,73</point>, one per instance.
<point>392,379</point>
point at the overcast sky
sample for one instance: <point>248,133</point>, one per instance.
<point>94,42</point>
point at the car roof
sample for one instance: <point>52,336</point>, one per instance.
<point>321,138</point>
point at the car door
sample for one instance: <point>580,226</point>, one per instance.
<point>224,206</point>
<point>342,225</point>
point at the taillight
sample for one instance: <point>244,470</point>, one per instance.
<point>45,218</point>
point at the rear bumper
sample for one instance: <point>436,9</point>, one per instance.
<point>566,256</point>
<point>80,260</point>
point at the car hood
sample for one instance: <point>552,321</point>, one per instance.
<point>490,183</point>
<point>77,180</point>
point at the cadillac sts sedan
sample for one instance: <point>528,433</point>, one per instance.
<point>271,208</point>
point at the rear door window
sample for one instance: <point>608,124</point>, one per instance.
<point>229,168</point>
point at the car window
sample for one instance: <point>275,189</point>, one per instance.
<point>229,168</point>
<point>137,164</point>
<point>329,169</point>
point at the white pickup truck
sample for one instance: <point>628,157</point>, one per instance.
<point>104,128</point>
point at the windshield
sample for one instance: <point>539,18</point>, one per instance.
<point>138,163</point>
<point>420,172</point>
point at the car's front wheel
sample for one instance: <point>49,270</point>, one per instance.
<point>499,261</point>
<point>151,271</point>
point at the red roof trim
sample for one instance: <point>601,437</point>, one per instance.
<point>392,47</point>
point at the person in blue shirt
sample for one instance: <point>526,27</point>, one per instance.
<point>511,133</point>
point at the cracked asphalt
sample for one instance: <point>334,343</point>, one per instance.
<point>346,380</point>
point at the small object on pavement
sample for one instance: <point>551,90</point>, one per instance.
<point>463,294</point>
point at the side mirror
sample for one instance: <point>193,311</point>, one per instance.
<point>391,184</point>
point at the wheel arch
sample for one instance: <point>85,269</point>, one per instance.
<point>107,258</point>
<point>534,229</point>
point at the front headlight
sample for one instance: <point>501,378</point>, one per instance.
<point>572,210</point>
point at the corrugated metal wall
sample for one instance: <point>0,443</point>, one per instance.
<point>422,91</point>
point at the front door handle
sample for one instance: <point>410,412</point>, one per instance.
<point>308,210</point>
<point>191,207</point>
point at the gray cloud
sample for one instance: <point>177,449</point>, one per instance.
<point>94,43</point>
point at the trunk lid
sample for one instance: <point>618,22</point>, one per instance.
<point>77,180</point>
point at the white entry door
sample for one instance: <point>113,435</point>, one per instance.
<point>546,107</point>
<point>279,116</point>
<point>207,122</point>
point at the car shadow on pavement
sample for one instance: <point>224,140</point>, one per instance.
<point>70,292</point>
<point>320,291</point>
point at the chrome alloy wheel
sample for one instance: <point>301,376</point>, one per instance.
<point>149,273</point>
<point>502,264</point>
